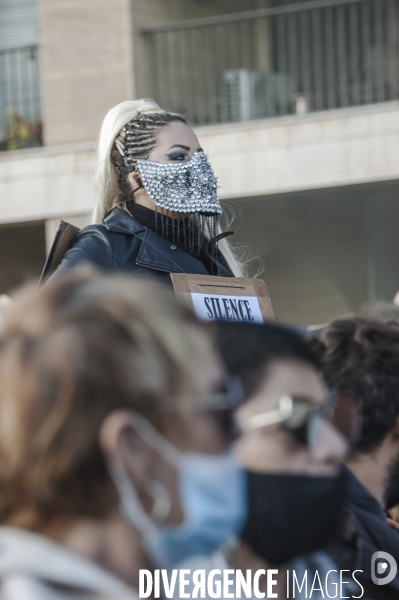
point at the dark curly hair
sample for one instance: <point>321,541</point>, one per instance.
<point>360,358</point>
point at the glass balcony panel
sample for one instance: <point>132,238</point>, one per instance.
<point>310,56</point>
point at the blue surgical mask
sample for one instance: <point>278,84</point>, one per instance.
<point>212,495</point>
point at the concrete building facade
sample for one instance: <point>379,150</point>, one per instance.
<point>315,190</point>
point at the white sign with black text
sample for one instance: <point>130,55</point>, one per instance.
<point>209,307</point>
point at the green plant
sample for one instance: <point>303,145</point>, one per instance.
<point>20,132</point>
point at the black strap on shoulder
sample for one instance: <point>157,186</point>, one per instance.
<point>61,244</point>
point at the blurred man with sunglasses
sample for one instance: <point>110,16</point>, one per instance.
<point>289,442</point>
<point>360,362</point>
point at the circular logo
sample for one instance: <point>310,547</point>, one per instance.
<point>383,568</point>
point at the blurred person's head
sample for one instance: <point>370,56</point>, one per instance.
<point>290,449</point>
<point>360,361</point>
<point>106,386</point>
<point>380,311</point>
<point>5,305</point>
<point>151,157</point>
<point>271,362</point>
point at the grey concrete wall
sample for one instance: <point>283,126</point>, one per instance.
<point>325,252</point>
<point>44,183</point>
<point>325,149</point>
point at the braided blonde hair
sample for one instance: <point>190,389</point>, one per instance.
<point>130,122</point>
<point>128,132</point>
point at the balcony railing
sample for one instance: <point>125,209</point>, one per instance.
<point>312,56</point>
<point>20,114</point>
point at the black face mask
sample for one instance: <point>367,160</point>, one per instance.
<point>290,515</point>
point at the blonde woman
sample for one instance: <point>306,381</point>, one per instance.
<point>157,208</point>
<point>112,459</point>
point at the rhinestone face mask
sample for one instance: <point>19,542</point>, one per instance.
<point>182,188</point>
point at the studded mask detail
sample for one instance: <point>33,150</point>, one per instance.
<point>183,188</point>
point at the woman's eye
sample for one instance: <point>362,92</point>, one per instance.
<point>180,156</point>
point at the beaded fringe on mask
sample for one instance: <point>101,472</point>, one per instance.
<point>191,232</point>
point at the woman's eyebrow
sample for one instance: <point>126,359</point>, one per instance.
<point>199,150</point>
<point>180,146</point>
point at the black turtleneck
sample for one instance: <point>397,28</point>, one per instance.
<point>173,231</point>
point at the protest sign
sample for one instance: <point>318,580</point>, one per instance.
<point>226,298</point>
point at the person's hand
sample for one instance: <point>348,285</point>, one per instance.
<point>393,523</point>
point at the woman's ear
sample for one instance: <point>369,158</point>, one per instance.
<point>121,444</point>
<point>135,179</point>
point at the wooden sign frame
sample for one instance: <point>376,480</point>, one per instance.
<point>185,285</point>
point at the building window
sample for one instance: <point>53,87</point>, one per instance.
<point>20,112</point>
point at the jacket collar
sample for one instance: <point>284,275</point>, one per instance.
<point>119,221</point>
<point>155,252</point>
<point>360,497</point>
<point>370,526</point>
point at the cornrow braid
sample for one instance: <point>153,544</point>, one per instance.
<point>136,140</point>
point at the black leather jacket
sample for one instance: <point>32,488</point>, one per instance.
<point>364,531</point>
<point>122,245</point>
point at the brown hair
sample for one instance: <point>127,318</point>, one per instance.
<point>360,358</point>
<point>70,353</point>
